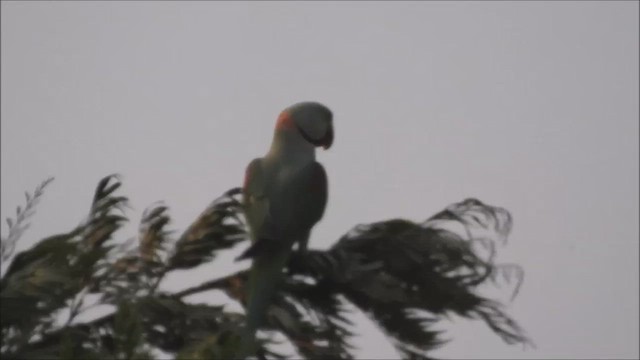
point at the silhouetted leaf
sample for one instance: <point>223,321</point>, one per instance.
<point>403,275</point>
<point>217,228</point>
<point>17,228</point>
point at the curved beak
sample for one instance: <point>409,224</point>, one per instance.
<point>327,140</point>
<point>324,141</point>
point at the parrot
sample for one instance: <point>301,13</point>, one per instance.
<point>284,196</point>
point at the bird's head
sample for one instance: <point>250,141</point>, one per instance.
<point>312,120</point>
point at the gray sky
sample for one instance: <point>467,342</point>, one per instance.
<point>528,105</point>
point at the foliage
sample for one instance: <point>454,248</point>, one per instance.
<point>404,275</point>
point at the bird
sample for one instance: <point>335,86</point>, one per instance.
<point>284,195</point>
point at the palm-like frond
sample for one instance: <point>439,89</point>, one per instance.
<point>404,275</point>
<point>47,277</point>
<point>426,271</point>
<point>153,236</point>
<point>18,225</point>
<point>217,228</point>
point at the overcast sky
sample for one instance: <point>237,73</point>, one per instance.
<point>532,106</point>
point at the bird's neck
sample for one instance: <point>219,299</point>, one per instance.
<point>290,146</point>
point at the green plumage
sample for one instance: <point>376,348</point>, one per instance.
<point>284,196</point>
<point>264,279</point>
<point>282,202</point>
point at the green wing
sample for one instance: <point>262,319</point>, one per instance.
<point>287,214</point>
<point>255,201</point>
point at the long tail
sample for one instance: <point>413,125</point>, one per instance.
<point>264,280</point>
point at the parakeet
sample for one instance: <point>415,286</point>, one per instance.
<point>284,196</point>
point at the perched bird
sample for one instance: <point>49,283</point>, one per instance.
<point>284,196</point>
